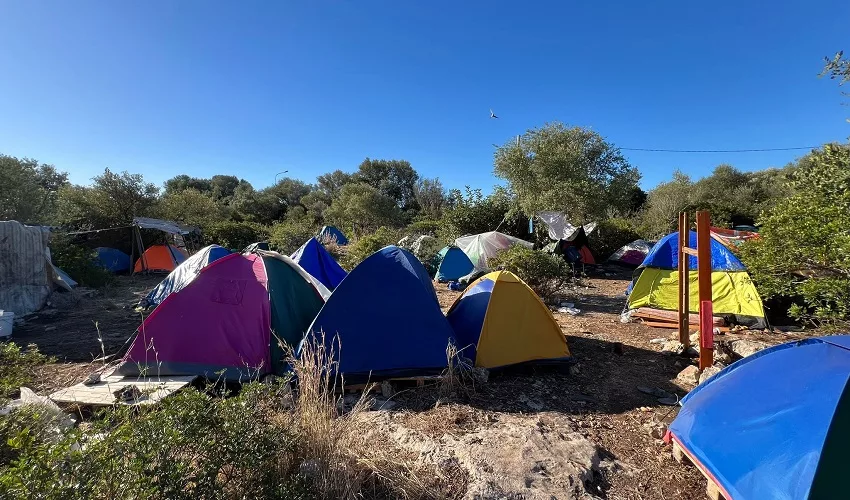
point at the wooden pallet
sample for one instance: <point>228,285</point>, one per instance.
<point>674,326</point>
<point>386,386</point>
<point>652,314</point>
<point>712,490</point>
<point>102,393</point>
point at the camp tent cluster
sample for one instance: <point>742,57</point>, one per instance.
<point>234,315</point>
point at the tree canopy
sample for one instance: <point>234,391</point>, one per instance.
<point>29,190</point>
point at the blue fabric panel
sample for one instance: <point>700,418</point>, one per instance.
<point>335,233</point>
<point>313,257</point>
<point>182,275</point>
<point>759,425</point>
<point>176,254</point>
<point>113,260</point>
<point>387,318</point>
<point>455,265</point>
<point>467,317</point>
<point>665,255</point>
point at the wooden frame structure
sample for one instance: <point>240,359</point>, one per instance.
<point>706,311</point>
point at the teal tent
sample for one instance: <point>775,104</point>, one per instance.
<point>453,264</point>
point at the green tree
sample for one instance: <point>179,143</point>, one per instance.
<point>223,187</point>
<point>316,204</point>
<point>236,235</point>
<point>182,182</point>
<point>570,169</point>
<point>29,190</point>
<point>331,183</point>
<point>112,200</point>
<point>804,245</point>
<point>475,213</point>
<point>837,68</point>
<point>393,178</point>
<point>363,208</point>
<point>431,197</point>
<point>193,208</point>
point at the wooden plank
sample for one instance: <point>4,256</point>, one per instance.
<point>712,489</point>
<point>102,393</point>
<point>684,281</point>
<point>660,314</point>
<point>673,326</point>
<point>691,251</point>
<point>706,356</point>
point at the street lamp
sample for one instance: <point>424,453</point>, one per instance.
<point>275,175</point>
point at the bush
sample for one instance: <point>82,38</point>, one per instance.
<point>367,245</point>
<point>545,273</point>
<point>236,235</point>
<point>429,227</point>
<point>289,235</point>
<point>610,235</point>
<point>17,367</point>
<point>79,262</point>
<point>804,248</point>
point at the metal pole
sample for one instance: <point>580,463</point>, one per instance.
<point>275,175</point>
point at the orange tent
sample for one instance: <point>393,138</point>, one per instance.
<point>160,258</point>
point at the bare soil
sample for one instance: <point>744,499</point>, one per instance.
<point>597,399</point>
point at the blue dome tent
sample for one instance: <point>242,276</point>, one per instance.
<point>453,265</point>
<point>113,260</point>
<point>775,424</point>
<point>387,318</point>
<point>313,257</point>
<point>332,233</point>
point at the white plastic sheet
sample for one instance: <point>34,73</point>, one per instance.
<point>560,228</point>
<point>481,247</point>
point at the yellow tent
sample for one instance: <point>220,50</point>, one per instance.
<point>500,321</point>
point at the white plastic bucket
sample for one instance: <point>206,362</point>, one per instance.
<point>7,321</point>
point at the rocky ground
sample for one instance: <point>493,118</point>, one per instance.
<point>526,433</point>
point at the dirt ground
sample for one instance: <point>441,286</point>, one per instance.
<point>597,399</point>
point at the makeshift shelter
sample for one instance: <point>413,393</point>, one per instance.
<point>453,264</point>
<point>229,322</point>
<point>732,238</point>
<point>160,258</point>
<point>332,233</point>
<point>656,283</point>
<point>259,245</point>
<point>481,247</point>
<point>500,321</point>
<point>387,320</point>
<point>26,273</point>
<point>113,260</point>
<point>631,254</point>
<point>574,248</point>
<point>184,274</point>
<point>775,424</point>
<point>313,257</point>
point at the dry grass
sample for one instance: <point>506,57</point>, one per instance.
<point>337,456</point>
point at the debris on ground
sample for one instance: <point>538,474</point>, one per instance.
<point>744,348</point>
<point>673,348</point>
<point>659,340</point>
<point>656,429</point>
<point>709,372</point>
<point>689,376</point>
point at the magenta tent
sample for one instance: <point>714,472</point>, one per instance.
<point>233,321</point>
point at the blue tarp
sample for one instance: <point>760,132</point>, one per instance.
<point>184,274</point>
<point>333,232</point>
<point>113,260</point>
<point>454,265</point>
<point>313,257</point>
<point>665,255</point>
<point>759,426</point>
<point>387,318</point>
<point>467,317</point>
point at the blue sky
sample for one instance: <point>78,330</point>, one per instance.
<point>254,88</point>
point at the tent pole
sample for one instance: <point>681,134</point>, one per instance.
<point>141,245</point>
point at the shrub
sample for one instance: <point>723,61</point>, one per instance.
<point>17,367</point>
<point>804,247</point>
<point>79,262</point>
<point>610,235</point>
<point>369,244</point>
<point>236,235</point>
<point>545,273</point>
<point>429,227</point>
<point>289,235</point>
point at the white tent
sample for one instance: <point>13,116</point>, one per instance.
<point>480,247</point>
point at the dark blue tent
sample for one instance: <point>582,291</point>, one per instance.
<point>387,318</point>
<point>331,232</point>
<point>775,424</point>
<point>454,264</point>
<point>184,274</point>
<point>313,257</point>
<point>665,255</point>
<point>113,260</point>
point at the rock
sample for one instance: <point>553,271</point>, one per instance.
<point>660,340</point>
<point>708,373</point>
<point>744,348</point>
<point>694,338</point>
<point>656,430</point>
<point>673,348</point>
<point>689,376</point>
<point>480,375</point>
<point>386,389</point>
<point>574,369</point>
<point>722,358</point>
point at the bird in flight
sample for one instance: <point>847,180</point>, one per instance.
<point>493,115</point>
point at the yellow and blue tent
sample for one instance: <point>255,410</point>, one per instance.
<point>656,283</point>
<point>500,321</point>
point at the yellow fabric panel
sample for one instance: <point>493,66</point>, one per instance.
<point>731,292</point>
<point>518,327</point>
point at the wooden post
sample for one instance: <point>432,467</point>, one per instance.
<point>684,281</point>
<point>706,354</point>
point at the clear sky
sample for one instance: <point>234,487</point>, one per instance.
<point>253,88</point>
